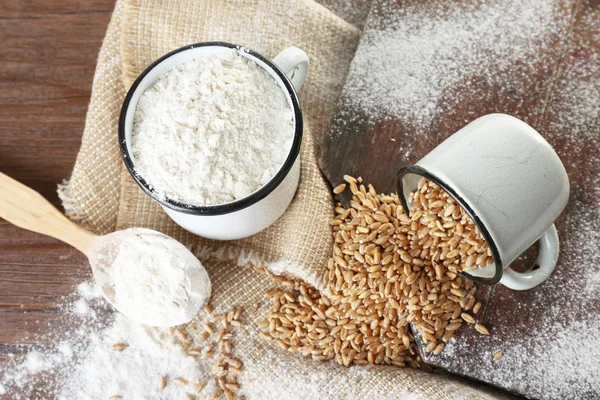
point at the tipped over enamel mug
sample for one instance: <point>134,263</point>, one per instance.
<point>511,183</point>
<point>243,217</point>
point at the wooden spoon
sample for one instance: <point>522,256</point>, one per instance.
<point>26,208</point>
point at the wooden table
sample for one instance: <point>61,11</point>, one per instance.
<point>47,61</point>
<point>549,336</point>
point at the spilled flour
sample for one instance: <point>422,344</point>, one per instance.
<point>82,363</point>
<point>37,372</point>
<point>410,68</point>
<point>134,372</point>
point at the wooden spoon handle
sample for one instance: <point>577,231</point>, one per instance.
<point>28,209</point>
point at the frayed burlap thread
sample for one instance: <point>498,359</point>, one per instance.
<point>102,196</point>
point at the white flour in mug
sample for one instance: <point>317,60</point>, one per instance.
<point>212,130</point>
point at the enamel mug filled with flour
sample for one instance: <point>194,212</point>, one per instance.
<point>212,131</point>
<point>511,183</point>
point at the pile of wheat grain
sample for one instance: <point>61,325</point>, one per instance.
<point>387,270</point>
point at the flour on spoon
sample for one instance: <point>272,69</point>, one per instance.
<point>152,278</point>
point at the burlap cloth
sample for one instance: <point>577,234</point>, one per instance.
<point>102,196</point>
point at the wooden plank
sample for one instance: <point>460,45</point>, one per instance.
<point>47,62</point>
<point>548,335</point>
<point>46,66</point>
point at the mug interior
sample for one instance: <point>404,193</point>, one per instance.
<point>407,181</point>
<point>166,63</point>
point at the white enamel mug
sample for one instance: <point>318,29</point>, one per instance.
<point>513,185</point>
<point>250,215</point>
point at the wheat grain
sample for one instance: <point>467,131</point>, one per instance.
<point>180,381</point>
<point>119,346</point>
<point>200,386</point>
<point>339,189</point>
<point>481,329</point>
<point>208,328</point>
<point>387,270</point>
<point>194,352</point>
<point>468,318</point>
<point>438,349</point>
<point>181,335</point>
<point>162,383</point>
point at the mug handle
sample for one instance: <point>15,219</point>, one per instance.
<point>294,63</point>
<point>547,257</point>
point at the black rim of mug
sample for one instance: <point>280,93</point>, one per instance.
<point>417,170</point>
<point>233,206</point>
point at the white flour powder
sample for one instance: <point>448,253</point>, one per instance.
<point>212,130</point>
<point>79,362</point>
<point>410,67</point>
<point>134,372</point>
<point>152,278</point>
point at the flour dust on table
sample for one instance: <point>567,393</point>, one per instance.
<point>96,354</point>
<point>212,130</point>
<point>407,70</point>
